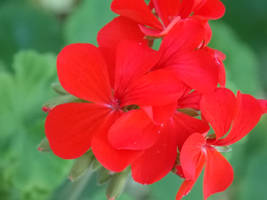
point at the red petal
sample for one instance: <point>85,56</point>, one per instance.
<point>208,34</point>
<point>247,116</point>
<point>212,9</point>
<point>109,56</point>
<point>160,114</point>
<point>263,104</point>
<point>157,161</point>
<point>109,157</point>
<point>134,130</point>
<point>120,28</point>
<point>159,33</point>
<point>82,71</point>
<point>186,7</point>
<point>180,39</point>
<point>132,62</point>
<point>218,174</point>
<point>156,88</point>
<point>218,109</point>
<point>166,9</point>
<point>190,155</point>
<point>136,10</point>
<point>69,128</point>
<point>198,69</point>
<point>190,100</point>
<point>220,57</point>
<point>187,185</point>
<point>185,125</point>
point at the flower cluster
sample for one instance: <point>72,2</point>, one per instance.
<point>152,110</point>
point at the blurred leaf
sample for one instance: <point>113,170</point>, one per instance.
<point>23,26</point>
<point>241,62</point>
<point>30,173</point>
<point>256,180</point>
<point>88,18</point>
<point>166,188</point>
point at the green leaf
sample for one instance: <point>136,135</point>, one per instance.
<point>87,20</point>
<point>166,188</point>
<point>254,185</point>
<point>31,174</point>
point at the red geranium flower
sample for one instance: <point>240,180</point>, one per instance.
<point>222,110</point>
<point>182,52</point>
<point>160,153</point>
<point>169,13</point>
<point>73,128</point>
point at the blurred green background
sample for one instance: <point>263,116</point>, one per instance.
<point>32,32</point>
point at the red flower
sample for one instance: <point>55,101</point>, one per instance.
<point>182,51</point>
<point>160,153</point>
<point>73,128</point>
<point>169,11</point>
<point>222,110</point>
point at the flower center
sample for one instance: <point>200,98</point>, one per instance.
<point>130,107</point>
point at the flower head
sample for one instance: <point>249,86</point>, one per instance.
<point>160,16</point>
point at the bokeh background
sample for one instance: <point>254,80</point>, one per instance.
<point>32,32</point>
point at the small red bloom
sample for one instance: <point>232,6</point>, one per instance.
<point>73,128</point>
<point>222,110</point>
<point>160,152</point>
<point>169,13</point>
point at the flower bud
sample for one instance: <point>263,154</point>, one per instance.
<point>44,146</point>
<point>117,184</point>
<point>104,175</point>
<point>81,165</point>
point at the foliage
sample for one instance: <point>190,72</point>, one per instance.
<point>25,172</point>
<point>23,26</point>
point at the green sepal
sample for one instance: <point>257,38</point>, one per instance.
<point>189,111</point>
<point>81,166</point>
<point>59,100</point>
<point>223,149</point>
<point>58,88</point>
<point>117,184</point>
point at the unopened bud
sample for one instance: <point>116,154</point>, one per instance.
<point>104,175</point>
<point>117,184</point>
<point>44,146</point>
<point>81,166</point>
